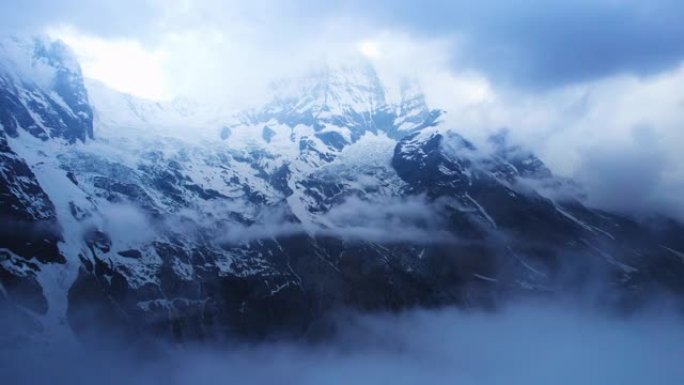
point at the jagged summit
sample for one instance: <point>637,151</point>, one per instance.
<point>341,103</point>
<point>42,90</point>
<point>37,58</point>
<point>331,89</point>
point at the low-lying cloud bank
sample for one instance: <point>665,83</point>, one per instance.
<point>522,344</point>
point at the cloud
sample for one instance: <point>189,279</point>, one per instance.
<point>410,219</point>
<point>545,43</point>
<point>270,224</point>
<point>540,43</point>
<point>125,223</point>
<point>392,220</point>
<point>624,135</point>
<point>124,64</point>
<point>624,178</point>
<point>618,134</point>
<point>521,344</point>
<point>111,18</point>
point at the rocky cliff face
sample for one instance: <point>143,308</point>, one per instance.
<point>328,196</point>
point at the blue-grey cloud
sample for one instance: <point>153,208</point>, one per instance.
<point>538,43</point>
<point>548,43</point>
<point>524,344</point>
<point>103,17</point>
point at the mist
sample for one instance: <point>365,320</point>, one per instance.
<point>391,220</point>
<point>522,343</point>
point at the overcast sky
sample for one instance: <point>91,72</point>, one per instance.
<point>596,87</point>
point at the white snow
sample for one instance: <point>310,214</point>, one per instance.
<point>482,210</point>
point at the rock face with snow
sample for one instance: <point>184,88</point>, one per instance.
<point>42,91</point>
<point>41,95</point>
<point>330,195</point>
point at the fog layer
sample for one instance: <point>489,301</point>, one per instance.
<point>523,344</point>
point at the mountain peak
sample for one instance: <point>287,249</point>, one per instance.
<point>343,101</point>
<point>330,89</point>
<point>42,87</point>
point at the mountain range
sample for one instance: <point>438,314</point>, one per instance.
<point>183,220</point>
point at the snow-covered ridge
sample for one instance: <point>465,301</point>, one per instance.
<point>340,102</point>
<point>181,118</point>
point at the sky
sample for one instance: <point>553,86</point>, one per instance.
<point>592,86</point>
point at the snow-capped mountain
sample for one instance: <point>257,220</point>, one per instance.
<point>173,219</point>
